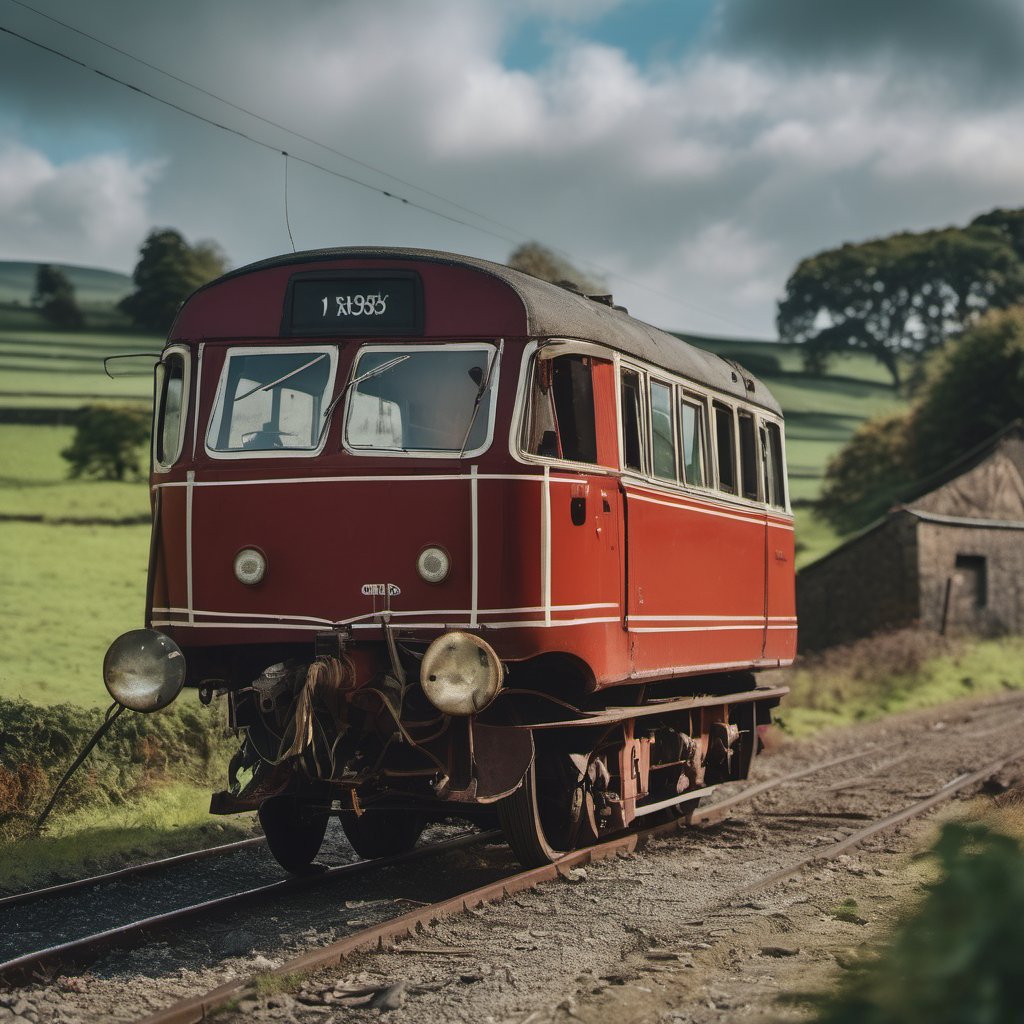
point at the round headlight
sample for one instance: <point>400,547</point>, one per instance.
<point>433,565</point>
<point>250,566</point>
<point>460,673</point>
<point>144,670</point>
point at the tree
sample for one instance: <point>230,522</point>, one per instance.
<point>107,442</point>
<point>168,271</point>
<point>900,296</point>
<point>54,297</point>
<point>973,387</point>
<point>539,261</point>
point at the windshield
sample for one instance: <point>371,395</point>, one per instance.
<point>421,399</point>
<point>272,401</point>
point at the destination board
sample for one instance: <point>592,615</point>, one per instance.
<point>354,303</point>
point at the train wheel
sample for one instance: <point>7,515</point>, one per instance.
<point>383,833</point>
<point>551,813</point>
<point>294,829</point>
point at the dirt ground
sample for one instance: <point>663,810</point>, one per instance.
<point>679,932</point>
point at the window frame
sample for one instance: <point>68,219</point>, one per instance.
<point>643,429</point>
<point>159,376</point>
<point>399,348</point>
<point>217,410</point>
<point>698,402</point>
<point>672,389</point>
<point>730,409</point>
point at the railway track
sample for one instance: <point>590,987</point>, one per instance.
<point>394,930</point>
<point>88,948</point>
<point>198,1009</point>
<point>132,871</point>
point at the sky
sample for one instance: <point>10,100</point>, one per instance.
<point>687,152</point>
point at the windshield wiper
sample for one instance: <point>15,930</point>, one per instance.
<point>375,372</point>
<point>281,380</point>
<point>482,390</point>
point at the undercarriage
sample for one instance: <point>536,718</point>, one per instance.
<point>556,774</point>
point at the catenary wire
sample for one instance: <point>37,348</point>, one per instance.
<point>607,271</point>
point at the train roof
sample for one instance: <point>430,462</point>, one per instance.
<point>556,311</point>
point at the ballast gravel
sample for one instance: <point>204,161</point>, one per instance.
<point>660,935</point>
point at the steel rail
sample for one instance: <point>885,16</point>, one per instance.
<point>84,950</point>
<point>63,888</point>
<point>199,1008</point>
<point>915,810</point>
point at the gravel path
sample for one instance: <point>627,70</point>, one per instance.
<point>656,936</point>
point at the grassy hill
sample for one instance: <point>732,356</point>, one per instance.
<point>94,288</point>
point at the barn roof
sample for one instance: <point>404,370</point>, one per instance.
<point>554,311</point>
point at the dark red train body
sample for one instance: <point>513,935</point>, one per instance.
<point>359,453</point>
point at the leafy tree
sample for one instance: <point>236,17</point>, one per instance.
<point>900,296</point>
<point>865,477</point>
<point>54,297</point>
<point>1010,223</point>
<point>539,261</point>
<point>168,271</point>
<point>107,442</point>
<point>973,387</point>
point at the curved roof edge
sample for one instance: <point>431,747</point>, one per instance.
<point>553,311</point>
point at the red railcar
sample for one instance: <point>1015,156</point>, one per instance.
<point>456,541</point>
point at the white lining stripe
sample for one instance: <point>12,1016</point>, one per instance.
<point>545,547</point>
<point>529,624</point>
<point>190,479</point>
<point>711,618</point>
<point>475,544</point>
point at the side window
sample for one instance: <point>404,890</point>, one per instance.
<point>725,448</point>
<point>170,409</point>
<point>748,456</point>
<point>663,438</point>
<point>561,420</point>
<point>632,447</point>
<point>691,418</point>
<point>775,466</point>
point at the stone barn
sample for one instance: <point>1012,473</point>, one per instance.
<point>950,560</point>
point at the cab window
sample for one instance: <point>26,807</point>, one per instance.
<point>168,426</point>
<point>748,456</point>
<point>561,422</point>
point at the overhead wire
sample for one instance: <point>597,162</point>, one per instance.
<point>520,236</point>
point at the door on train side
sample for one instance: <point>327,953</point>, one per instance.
<point>571,421</point>
<point>780,633</point>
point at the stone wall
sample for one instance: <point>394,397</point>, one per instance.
<point>866,586</point>
<point>983,570</point>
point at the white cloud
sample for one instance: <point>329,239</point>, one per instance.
<point>708,177</point>
<point>90,211</point>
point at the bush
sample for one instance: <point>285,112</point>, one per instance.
<point>37,745</point>
<point>108,442</point>
<point>958,959</point>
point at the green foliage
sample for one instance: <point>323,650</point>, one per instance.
<point>892,672</point>
<point>957,960</point>
<point>168,271</point>
<point>38,744</point>
<point>539,261</point>
<point>868,473</point>
<point>54,297</point>
<point>106,443</point>
<point>973,387</point>
<point>900,296</point>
